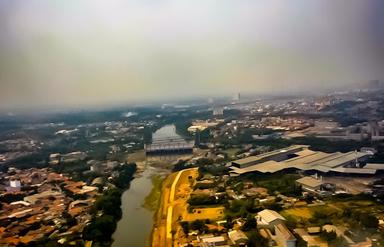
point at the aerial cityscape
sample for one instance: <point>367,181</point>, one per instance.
<point>191,123</point>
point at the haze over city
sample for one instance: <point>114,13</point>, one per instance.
<point>95,53</point>
<point>191,123</point>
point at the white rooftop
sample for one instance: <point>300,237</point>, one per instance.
<point>269,216</point>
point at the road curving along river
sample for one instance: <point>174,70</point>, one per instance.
<point>134,228</point>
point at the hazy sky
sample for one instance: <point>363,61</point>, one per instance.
<point>79,53</point>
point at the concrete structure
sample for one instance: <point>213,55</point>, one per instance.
<point>212,241</point>
<point>54,159</point>
<point>218,111</point>
<point>32,199</point>
<point>361,131</point>
<point>238,238</point>
<point>169,145</point>
<point>312,239</point>
<point>73,157</point>
<point>268,219</point>
<point>195,128</point>
<point>14,186</point>
<point>97,181</point>
<point>236,97</point>
<point>309,184</point>
<point>97,167</point>
<point>284,237</point>
<point>300,157</point>
<point>277,155</point>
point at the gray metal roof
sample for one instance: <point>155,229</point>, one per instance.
<point>309,181</point>
<point>308,160</point>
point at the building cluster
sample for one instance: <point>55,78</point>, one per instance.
<point>121,135</point>
<point>57,158</point>
<point>37,204</point>
<point>270,224</point>
<point>14,149</point>
<point>200,125</point>
<point>366,131</point>
<point>233,238</point>
<point>102,167</point>
<point>273,126</point>
<point>288,107</point>
<point>285,123</point>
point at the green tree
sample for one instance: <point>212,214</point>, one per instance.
<point>256,240</point>
<point>250,223</point>
<point>199,225</point>
<point>369,221</point>
<point>328,236</point>
<point>185,226</point>
<point>101,229</point>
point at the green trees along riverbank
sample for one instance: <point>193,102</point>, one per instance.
<point>107,208</point>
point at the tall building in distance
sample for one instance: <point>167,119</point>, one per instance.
<point>197,138</point>
<point>218,111</point>
<point>236,97</point>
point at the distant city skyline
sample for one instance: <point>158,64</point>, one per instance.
<point>75,54</point>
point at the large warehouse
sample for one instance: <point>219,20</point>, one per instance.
<point>302,158</point>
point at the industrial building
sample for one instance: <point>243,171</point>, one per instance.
<point>300,157</point>
<point>277,155</point>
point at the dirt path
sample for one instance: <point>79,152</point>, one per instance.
<point>175,194</point>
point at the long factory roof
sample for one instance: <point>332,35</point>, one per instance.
<point>306,160</point>
<point>256,158</point>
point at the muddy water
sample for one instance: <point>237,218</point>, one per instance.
<point>134,229</point>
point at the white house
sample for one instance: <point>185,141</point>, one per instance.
<point>268,219</point>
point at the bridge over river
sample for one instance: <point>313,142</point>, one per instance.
<point>166,141</point>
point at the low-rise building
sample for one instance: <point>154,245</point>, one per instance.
<point>14,186</point>
<point>268,219</point>
<point>284,237</point>
<point>212,241</point>
<point>309,184</point>
<point>238,238</point>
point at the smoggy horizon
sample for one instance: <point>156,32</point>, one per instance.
<point>76,54</point>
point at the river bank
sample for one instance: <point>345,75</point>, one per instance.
<point>151,202</point>
<point>159,226</point>
<point>175,193</point>
<point>135,225</point>
<point>141,201</point>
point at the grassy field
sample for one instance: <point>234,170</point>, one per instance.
<point>360,204</point>
<point>137,156</point>
<point>151,202</point>
<point>333,211</point>
<point>283,183</point>
<point>159,230</point>
<point>302,212</point>
<point>303,216</point>
<point>214,213</point>
<point>231,152</point>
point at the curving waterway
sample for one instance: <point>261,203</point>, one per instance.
<point>134,228</point>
